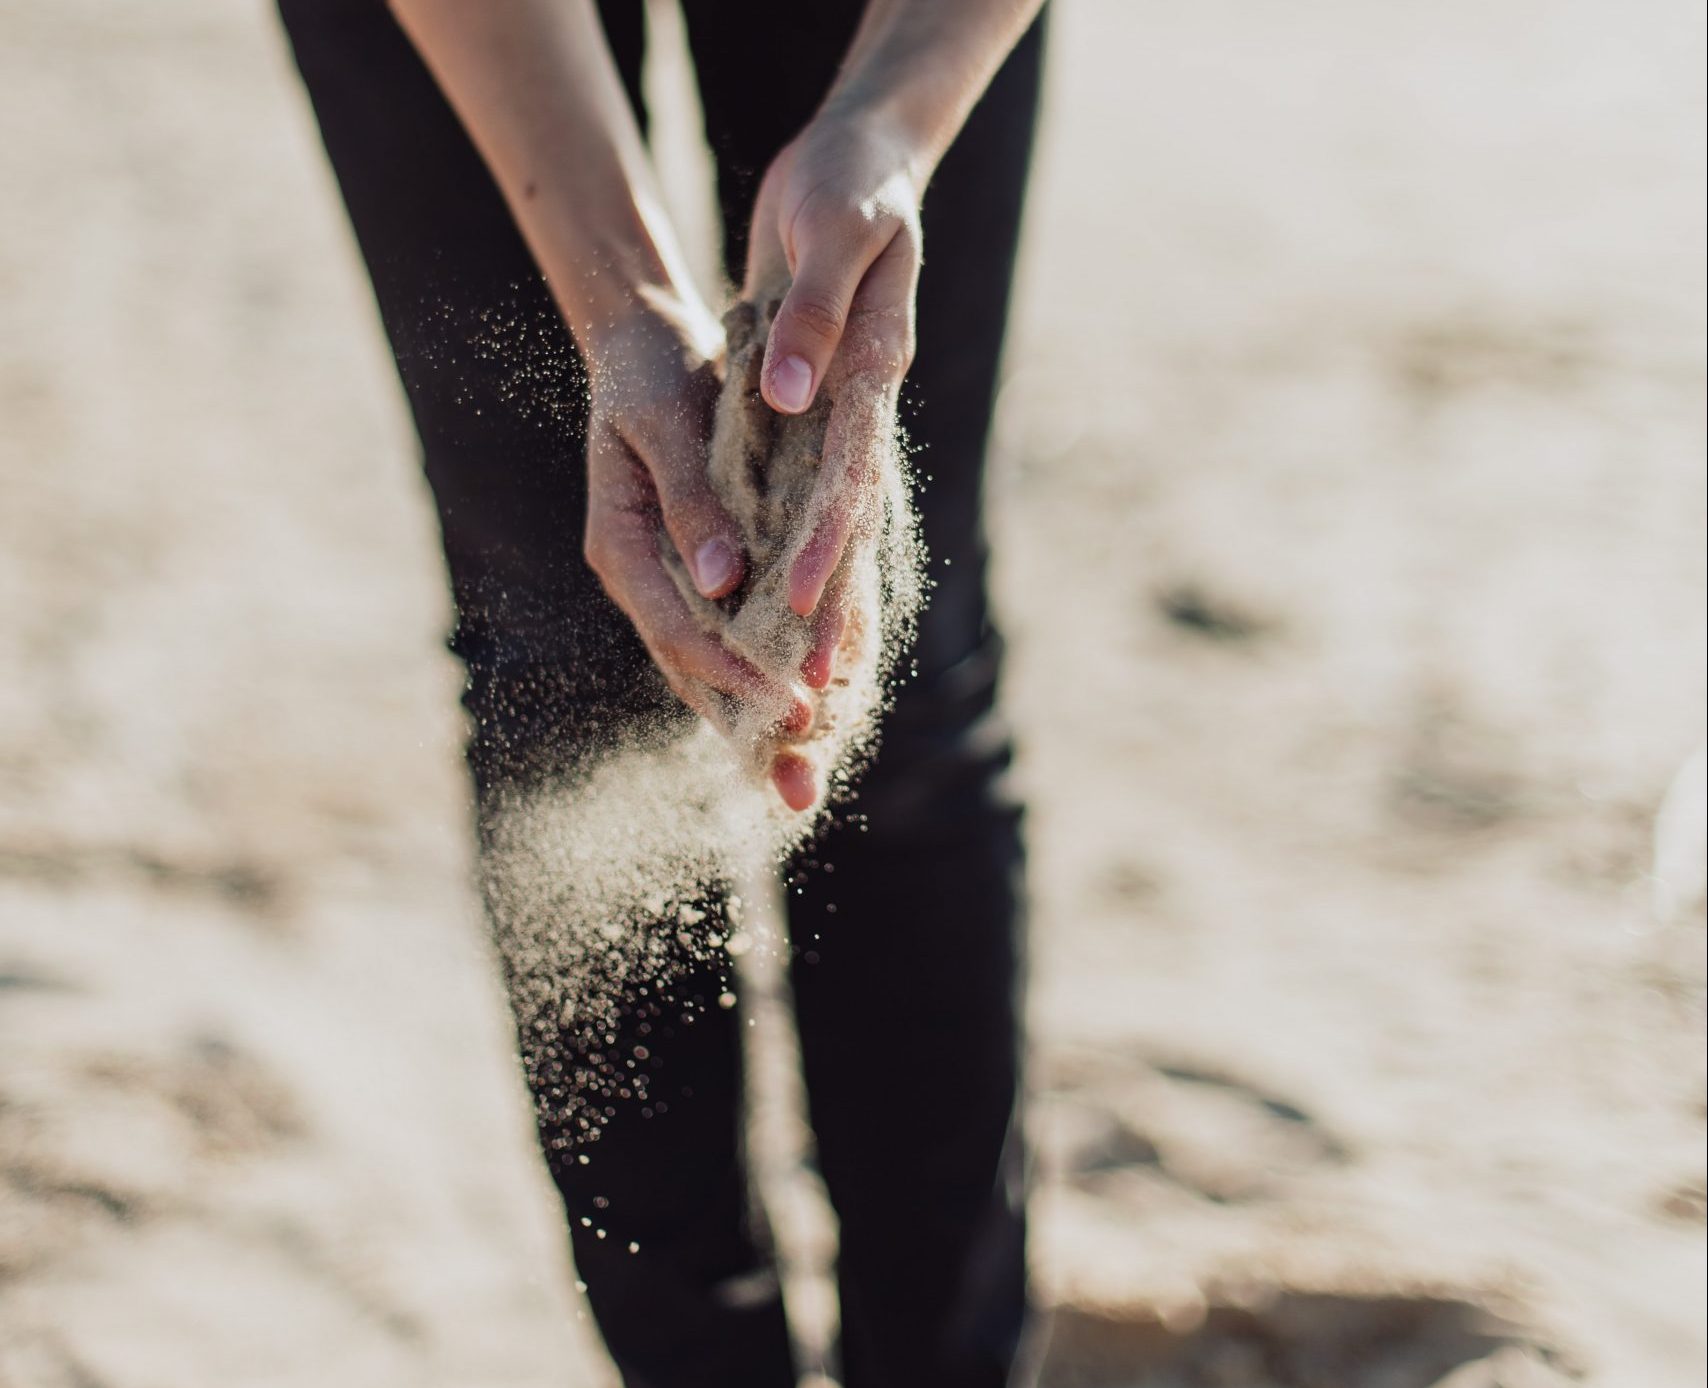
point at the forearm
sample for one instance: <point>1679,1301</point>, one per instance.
<point>535,87</point>
<point>922,67</point>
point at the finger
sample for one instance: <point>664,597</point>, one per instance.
<point>797,722</point>
<point>830,252</point>
<point>820,664</point>
<point>792,775</point>
<point>829,623</point>
<point>673,450</point>
<point>696,659</point>
<point>703,700</point>
<point>879,342</point>
<point>622,546</point>
<point>819,557</point>
<point>685,650</point>
<point>854,445</point>
<point>722,709</point>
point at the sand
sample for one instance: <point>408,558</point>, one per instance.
<point>767,470</point>
<point>1348,514</point>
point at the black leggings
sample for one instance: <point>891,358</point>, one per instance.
<point>907,917</point>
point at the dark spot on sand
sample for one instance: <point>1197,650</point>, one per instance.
<point>1193,609</point>
<point>20,979</point>
<point>1281,1338</point>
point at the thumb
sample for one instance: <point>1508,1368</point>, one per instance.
<point>832,256</point>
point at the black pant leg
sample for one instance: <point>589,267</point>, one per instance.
<point>553,667</point>
<point>908,920</point>
<point>763,67</point>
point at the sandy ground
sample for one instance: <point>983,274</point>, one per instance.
<point>1349,511</point>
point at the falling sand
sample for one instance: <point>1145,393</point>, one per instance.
<point>608,888</point>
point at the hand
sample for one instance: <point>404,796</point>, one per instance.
<point>654,383</point>
<point>838,215</point>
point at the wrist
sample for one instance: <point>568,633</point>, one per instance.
<point>918,69</point>
<point>889,128</point>
<point>612,274</point>
<point>646,325</point>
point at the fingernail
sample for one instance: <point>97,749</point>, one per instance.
<point>799,717</point>
<point>714,562</point>
<point>791,383</point>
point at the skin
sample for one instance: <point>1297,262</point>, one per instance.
<point>837,213</point>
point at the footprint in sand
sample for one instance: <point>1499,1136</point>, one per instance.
<point>1685,1202</point>
<point>1116,1126</point>
<point>1276,1338</point>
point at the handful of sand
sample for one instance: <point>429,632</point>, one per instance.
<point>765,468</point>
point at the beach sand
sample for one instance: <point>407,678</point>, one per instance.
<point>1348,516</point>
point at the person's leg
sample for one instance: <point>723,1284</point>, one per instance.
<point>916,899</point>
<point>763,67</point>
<point>553,667</point>
<point>908,919</point>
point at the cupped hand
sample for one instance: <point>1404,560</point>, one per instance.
<point>837,218</point>
<point>653,383</point>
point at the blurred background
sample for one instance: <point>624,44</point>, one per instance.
<point>1349,513</point>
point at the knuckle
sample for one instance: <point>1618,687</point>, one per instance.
<point>687,519</point>
<point>883,349</point>
<point>906,347</point>
<point>678,475</point>
<point>819,313</point>
<point>910,231</point>
<point>638,428</point>
<point>655,439</point>
<point>827,219</point>
<point>596,551</point>
<point>670,651</point>
<point>672,453</point>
